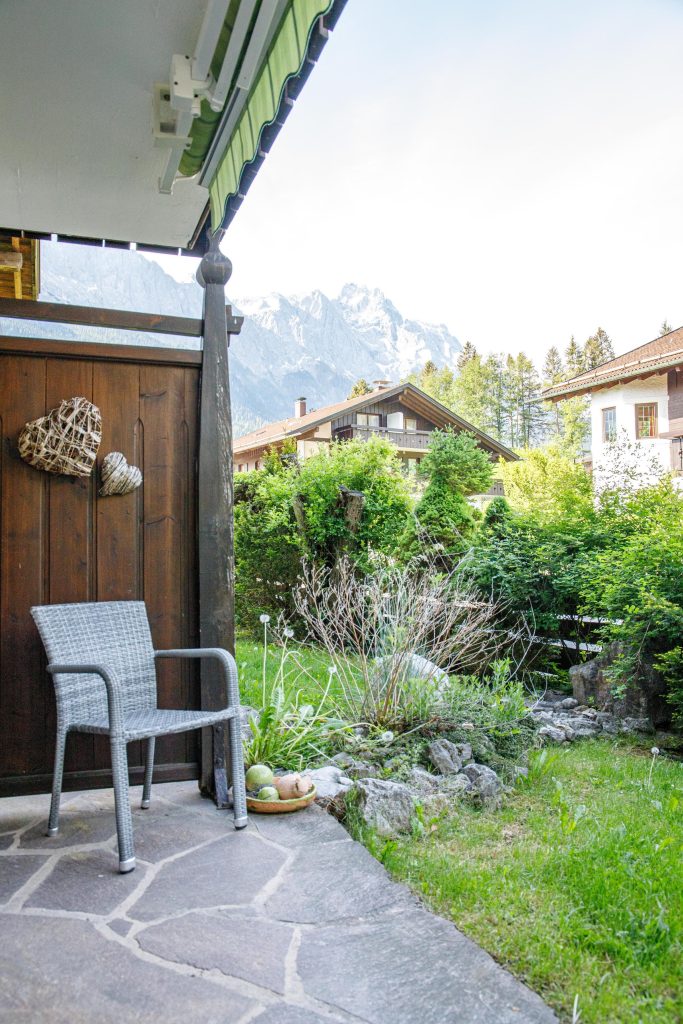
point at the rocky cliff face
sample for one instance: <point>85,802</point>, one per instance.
<point>299,345</point>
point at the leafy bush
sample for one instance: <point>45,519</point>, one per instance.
<point>285,512</point>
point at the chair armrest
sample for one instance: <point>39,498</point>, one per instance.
<point>228,666</point>
<point>114,689</point>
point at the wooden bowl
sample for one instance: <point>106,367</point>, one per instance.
<point>280,806</point>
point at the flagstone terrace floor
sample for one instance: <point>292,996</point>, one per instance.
<point>287,922</point>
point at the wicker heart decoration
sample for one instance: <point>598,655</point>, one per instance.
<point>66,440</point>
<point>118,477</point>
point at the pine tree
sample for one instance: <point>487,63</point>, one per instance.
<point>494,378</point>
<point>469,392</point>
<point>468,352</point>
<point>574,358</point>
<point>361,387</point>
<point>553,367</point>
<point>665,328</point>
<point>598,349</point>
<point>553,373</point>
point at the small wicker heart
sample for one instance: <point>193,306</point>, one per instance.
<point>118,477</point>
<point>66,440</point>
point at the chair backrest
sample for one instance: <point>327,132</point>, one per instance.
<point>113,634</point>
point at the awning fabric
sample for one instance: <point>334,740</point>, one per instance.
<point>284,61</point>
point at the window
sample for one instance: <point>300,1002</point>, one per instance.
<point>646,420</point>
<point>411,424</point>
<point>609,424</point>
<point>367,419</point>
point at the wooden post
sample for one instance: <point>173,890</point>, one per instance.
<point>214,513</point>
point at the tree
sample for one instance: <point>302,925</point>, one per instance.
<point>598,349</point>
<point>574,358</point>
<point>553,373</point>
<point>468,352</point>
<point>553,367</point>
<point>361,387</point>
<point>665,328</point>
<point>469,392</point>
<point>455,466</point>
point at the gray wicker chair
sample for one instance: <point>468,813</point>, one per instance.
<point>102,664</point>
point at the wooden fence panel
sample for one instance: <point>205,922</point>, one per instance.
<point>61,542</point>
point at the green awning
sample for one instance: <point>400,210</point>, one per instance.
<point>284,60</point>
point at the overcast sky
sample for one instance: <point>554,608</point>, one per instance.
<point>511,169</point>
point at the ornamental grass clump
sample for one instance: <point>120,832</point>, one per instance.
<point>409,643</point>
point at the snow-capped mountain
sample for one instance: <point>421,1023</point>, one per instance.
<point>307,345</point>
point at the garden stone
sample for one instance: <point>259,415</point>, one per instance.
<point>486,786</point>
<point>586,728</point>
<point>454,786</point>
<point>330,782</point>
<point>636,725</point>
<point>550,732</point>
<point>569,733</point>
<point>520,771</point>
<point>569,703</point>
<point>387,807</point>
<point>449,757</point>
<point>417,667</point>
<point>608,722</point>
<point>422,782</point>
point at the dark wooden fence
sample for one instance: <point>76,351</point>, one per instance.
<point>60,541</point>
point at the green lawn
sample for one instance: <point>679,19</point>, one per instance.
<point>576,885</point>
<point>308,669</point>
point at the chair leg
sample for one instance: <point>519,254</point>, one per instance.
<point>53,822</point>
<point>149,768</point>
<point>124,818</point>
<point>239,795</point>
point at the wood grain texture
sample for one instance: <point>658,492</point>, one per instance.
<point>61,542</point>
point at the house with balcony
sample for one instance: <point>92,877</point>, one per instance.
<point>637,397</point>
<point>401,413</point>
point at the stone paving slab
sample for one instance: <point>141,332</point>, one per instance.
<point>286,922</point>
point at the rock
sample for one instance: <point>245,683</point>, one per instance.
<point>636,725</point>
<point>445,756</point>
<point>586,727</point>
<point>414,666</point>
<point>455,786</point>
<point>569,702</point>
<point>643,696</point>
<point>387,807</point>
<point>330,782</point>
<point>486,787</point>
<point>362,771</point>
<point>343,760</point>
<point>421,782</point>
<point>520,771</point>
<point>569,733</point>
<point>608,722</point>
<point>555,735</point>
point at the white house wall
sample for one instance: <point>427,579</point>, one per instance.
<point>624,399</point>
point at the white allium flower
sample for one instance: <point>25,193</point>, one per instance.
<point>332,669</point>
<point>264,619</point>
<point>655,751</point>
<point>287,632</point>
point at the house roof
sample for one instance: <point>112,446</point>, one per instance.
<point>100,142</point>
<point>413,397</point>
<point>648,360</point>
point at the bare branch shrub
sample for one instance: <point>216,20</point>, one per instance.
<point>372,627</point>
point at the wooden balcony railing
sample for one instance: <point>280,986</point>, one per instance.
<point>418,439</point>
